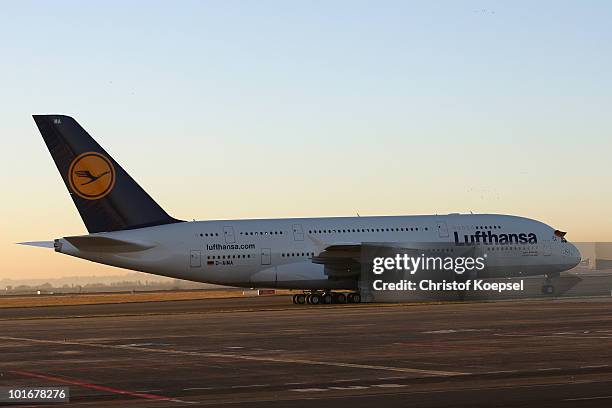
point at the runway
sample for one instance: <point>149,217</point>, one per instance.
<point>258,352</point>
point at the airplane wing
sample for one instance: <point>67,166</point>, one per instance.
<point>340,260</point>
<point>343,260</point>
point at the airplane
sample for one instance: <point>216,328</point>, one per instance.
<point>322,257</point>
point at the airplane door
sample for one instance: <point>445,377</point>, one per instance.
<point>298,232</point>
<point>195,258</point>
<point>547,248</point>
<point>266,257</point>
<point>228,233</point>
<point>442,229</point>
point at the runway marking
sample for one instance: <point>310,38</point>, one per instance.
<point>347,380</point>
<point>250,386</point>
<point>554,335</point>
<point>145,344</point>
<point>242,357</point>
<point>451,331</point>
<point>389,385</point>
<point>197,388</point>
<point>349,387</point>
<point>308,389</point>
<point>588,398</point>
<point>502,372</point>
<point>104,388</point>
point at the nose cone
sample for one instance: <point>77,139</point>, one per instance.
<point>575,255</point>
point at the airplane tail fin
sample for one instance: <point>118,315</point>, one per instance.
<point>107,198</point>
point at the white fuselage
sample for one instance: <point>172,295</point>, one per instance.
<point>278,252</point>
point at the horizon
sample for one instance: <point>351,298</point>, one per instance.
<point>271,110</point>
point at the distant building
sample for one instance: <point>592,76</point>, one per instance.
<point>595,255</point>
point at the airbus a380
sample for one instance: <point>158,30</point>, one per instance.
<point>320,256</point>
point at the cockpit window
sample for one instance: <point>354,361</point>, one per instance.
<point>561,234</point>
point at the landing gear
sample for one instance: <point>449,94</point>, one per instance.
<point>326,298</point>
<point>461,295</point>
<point>314,299</point>
<point>299,299</point>
<point>548,287</point>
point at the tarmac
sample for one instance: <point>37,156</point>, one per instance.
<point>265,351</point>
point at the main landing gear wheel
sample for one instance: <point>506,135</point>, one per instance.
<point>548,289</point>
<point>326,298</point>
<point>315,299</point>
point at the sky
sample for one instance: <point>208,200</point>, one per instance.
<point>243,109</point>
